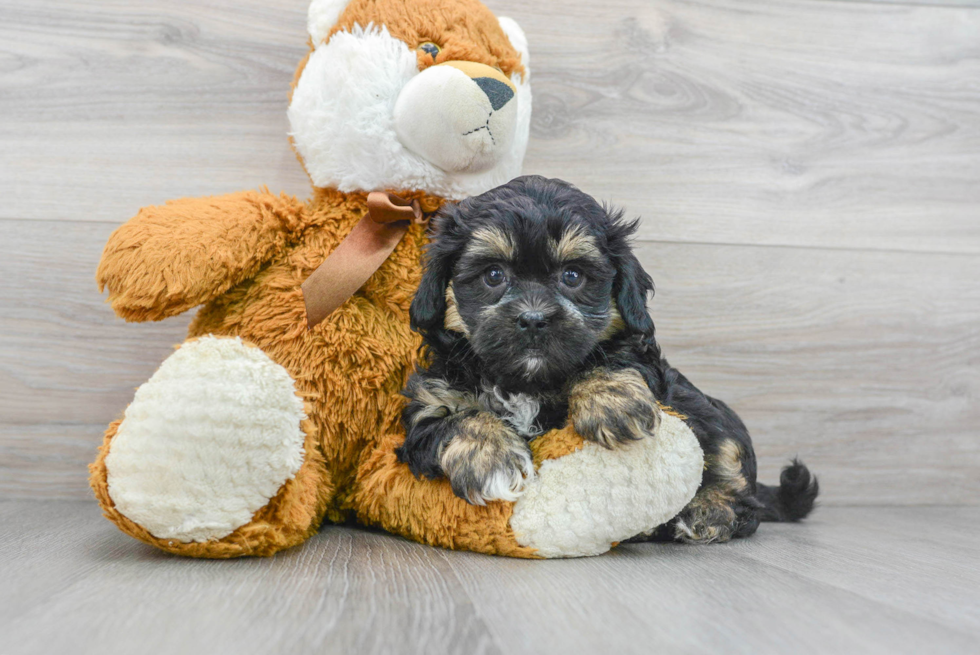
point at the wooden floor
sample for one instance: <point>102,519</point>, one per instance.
<point>851,580</point>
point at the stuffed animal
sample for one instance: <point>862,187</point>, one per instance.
<point>282,408</point>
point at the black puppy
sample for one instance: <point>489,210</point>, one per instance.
<point>533,312</point>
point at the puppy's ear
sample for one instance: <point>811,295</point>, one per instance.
<point>428,310</point>
<point>632,285</point>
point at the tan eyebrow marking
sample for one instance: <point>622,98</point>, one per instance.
<point>491,242</point>
<point>575,245</point>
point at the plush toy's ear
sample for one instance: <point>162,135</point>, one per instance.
<point>632,285</point>
<point>517,39</point>
<point>322,16</point>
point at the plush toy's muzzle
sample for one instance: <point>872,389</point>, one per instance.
<point>460,115</point>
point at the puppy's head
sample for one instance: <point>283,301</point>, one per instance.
<point>534,274</point>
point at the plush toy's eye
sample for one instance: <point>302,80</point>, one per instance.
<point>494,276</point>
<point>572,277</point>
<point>430,48</point>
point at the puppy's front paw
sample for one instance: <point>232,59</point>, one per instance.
<point>613,407</point>
<point>486,460</point>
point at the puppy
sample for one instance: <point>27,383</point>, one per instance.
<point>533,313</point>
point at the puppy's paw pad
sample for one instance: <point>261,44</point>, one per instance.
<point>613,407</point>
<point>487,461</point>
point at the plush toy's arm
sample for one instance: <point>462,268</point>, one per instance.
<point>173,257</point>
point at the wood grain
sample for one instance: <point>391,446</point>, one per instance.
<point>931,3</point>
<point>353,592</point>
<point>804,122</point>
<point>796,123</point>
<point>109,105</point>
<point>849,580</point>
<point>863,363</point>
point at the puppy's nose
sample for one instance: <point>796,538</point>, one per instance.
<point>532,322</point>
<point>496,91</point>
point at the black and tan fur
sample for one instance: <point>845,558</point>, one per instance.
<point>612,406</point>
<point>533,312</point>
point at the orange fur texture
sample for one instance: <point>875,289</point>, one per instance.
<point>464,30</point>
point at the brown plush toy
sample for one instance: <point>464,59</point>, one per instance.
<point>268,419</point>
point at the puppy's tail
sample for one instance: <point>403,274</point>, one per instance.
<point>793,499</point>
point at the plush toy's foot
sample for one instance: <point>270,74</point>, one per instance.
<point>585,502</point>
<point>214,457</point>
<point>584,499</point>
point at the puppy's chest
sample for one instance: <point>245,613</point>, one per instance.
<point>530,415</point>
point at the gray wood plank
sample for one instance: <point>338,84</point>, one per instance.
<point>851,580</point>
<point>348,591</point>
<point>48,546</point>
<point>797,122</point>
<point>972,4</point>
<point>921,559</point>
<point>802,122</point>
<point>47,460</point>
<point>863,363</point>
<point>64,356</point>
<point>110,105</point>
<point>672,598</point>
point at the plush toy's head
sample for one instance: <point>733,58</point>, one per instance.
<point>430,95</point>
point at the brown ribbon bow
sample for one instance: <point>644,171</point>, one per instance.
<point>359,255</point>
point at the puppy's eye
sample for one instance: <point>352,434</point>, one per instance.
<point>494,276</point>
<point>572,277</point>
<point>430,49</point>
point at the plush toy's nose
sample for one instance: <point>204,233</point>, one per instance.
<point>497,92</point>
<point>498,89</point>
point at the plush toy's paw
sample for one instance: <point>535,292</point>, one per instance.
<point>207,442</point>
<point>612,408</point>
<point>583,503</point>
<point>486,460</point>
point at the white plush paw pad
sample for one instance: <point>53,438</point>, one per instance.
<point>582,503</point>
<point>206,442</point>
